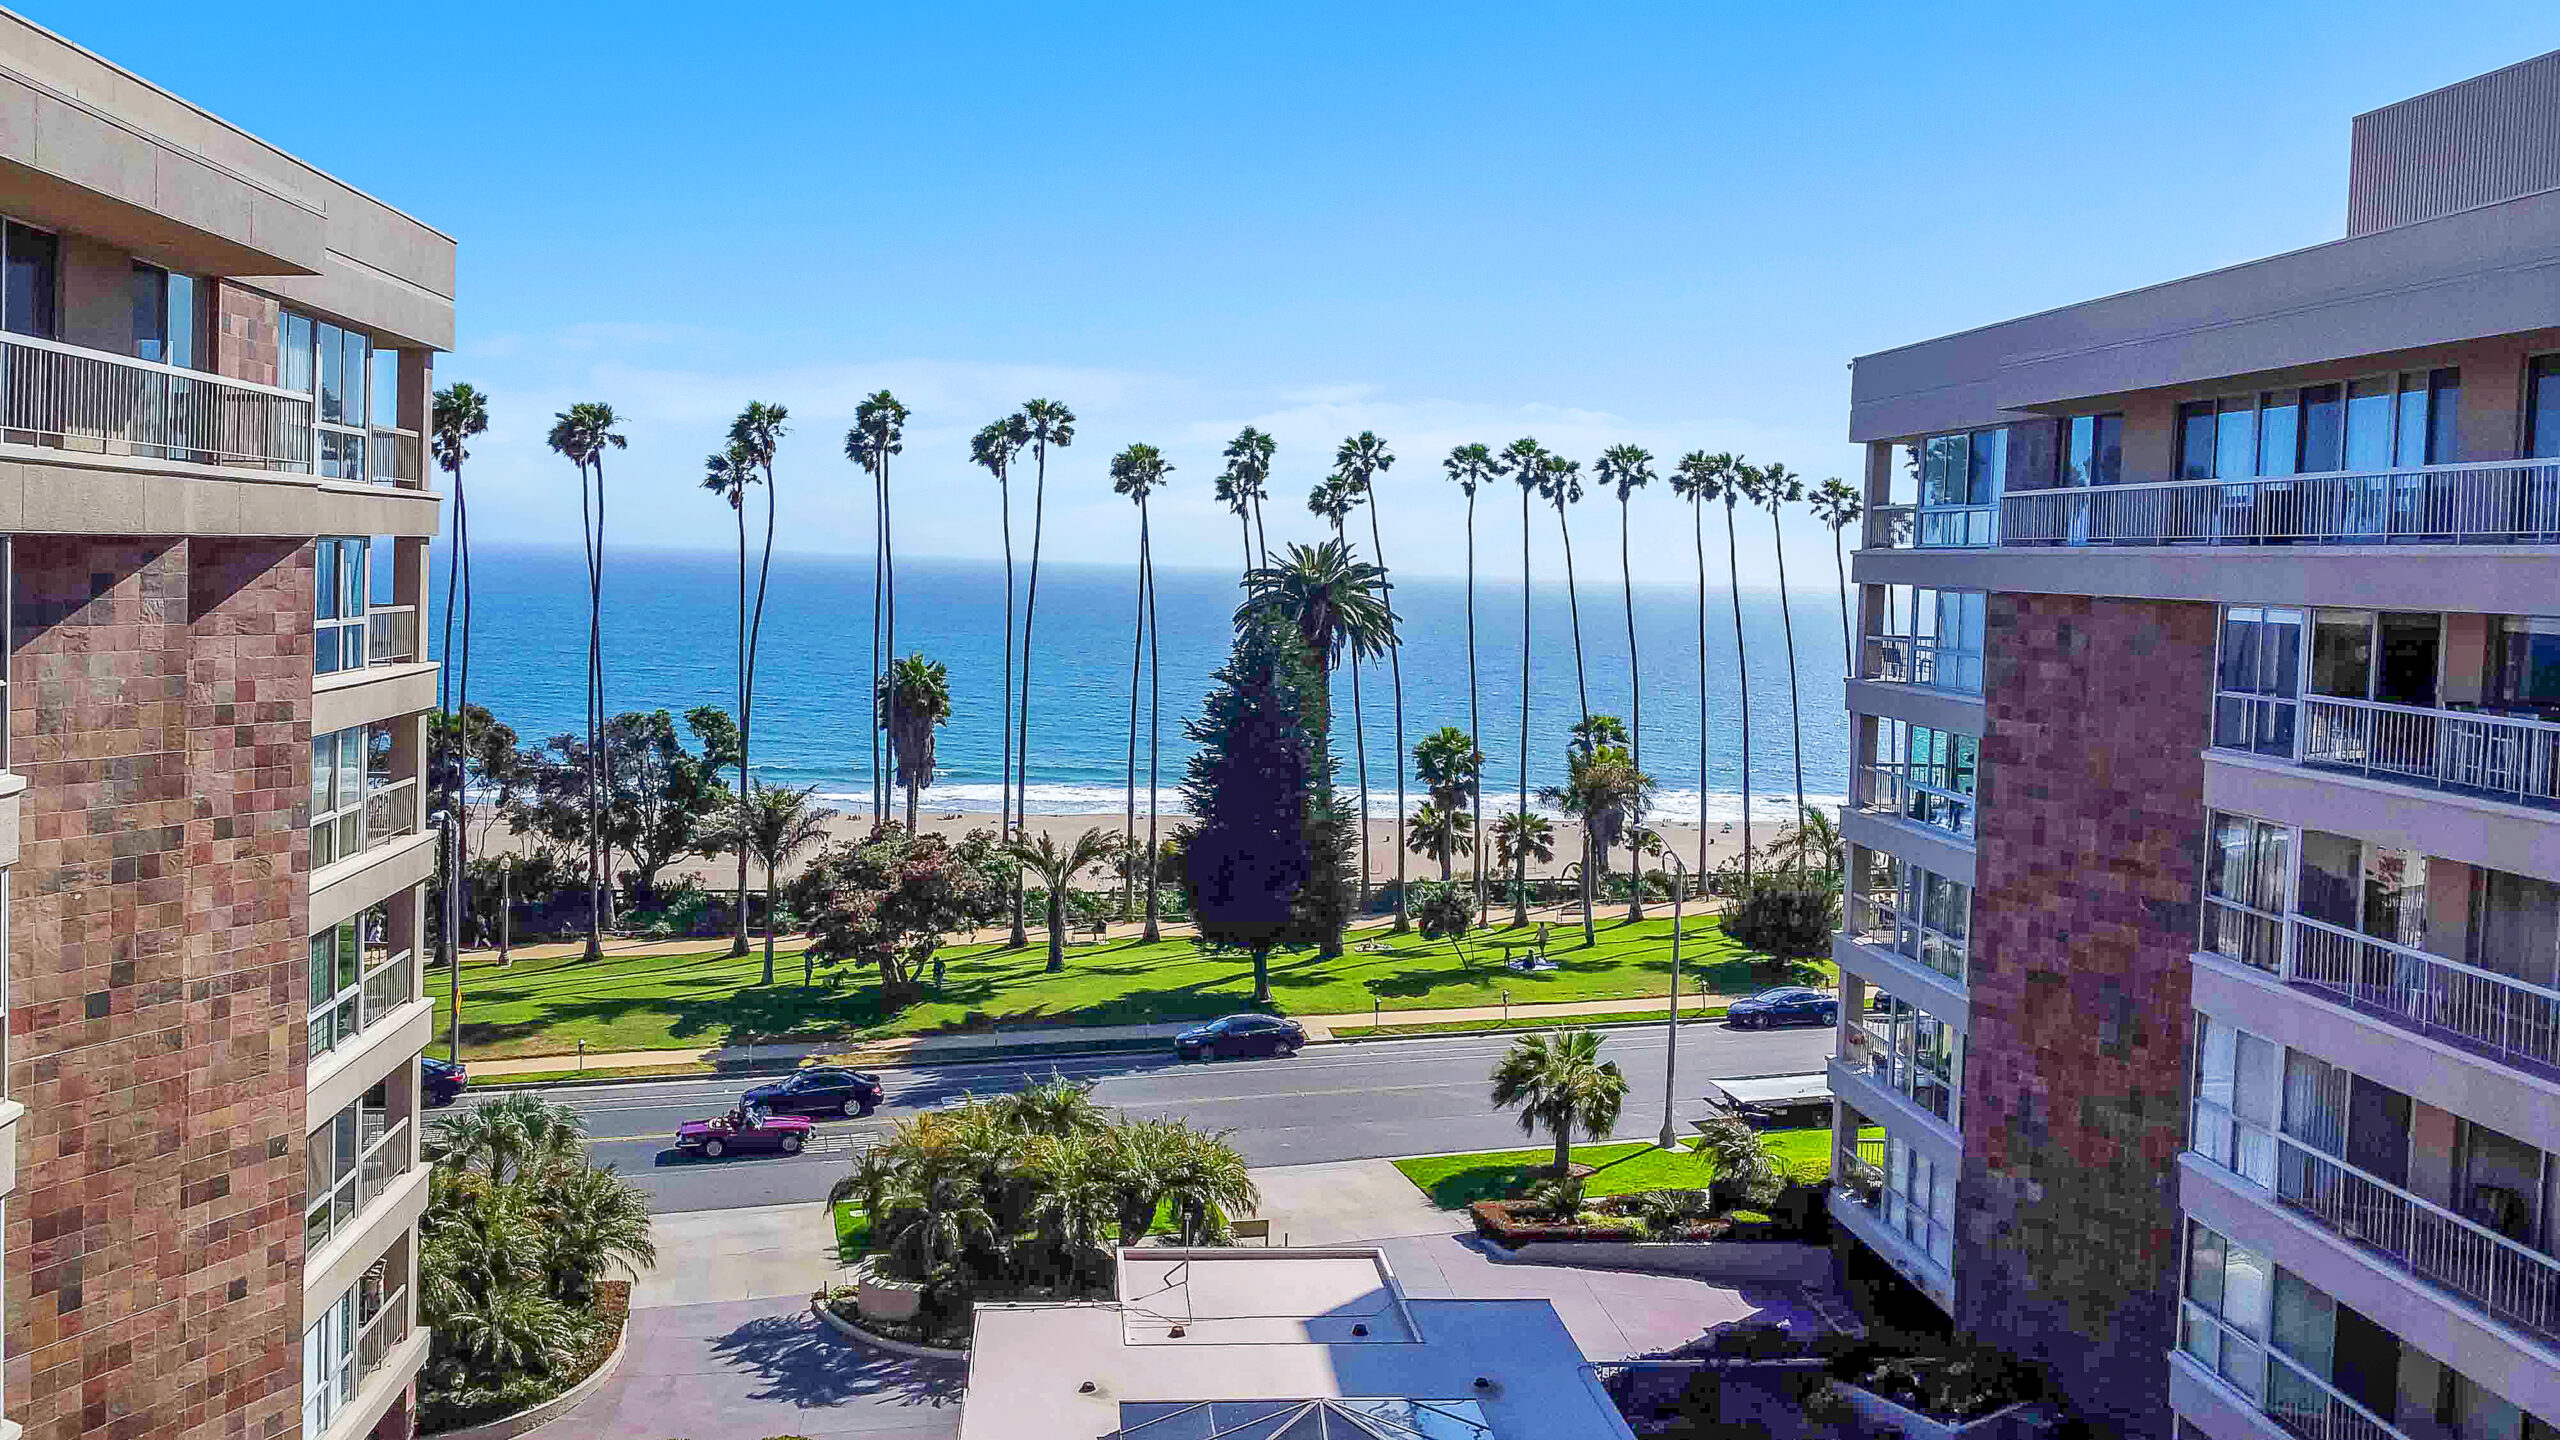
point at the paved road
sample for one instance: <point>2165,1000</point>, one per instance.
<point>1334,1102</point>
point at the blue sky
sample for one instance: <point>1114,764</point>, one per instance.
<point>1672,223</point>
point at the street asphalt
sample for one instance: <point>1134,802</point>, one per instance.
<point>1347,1101</point>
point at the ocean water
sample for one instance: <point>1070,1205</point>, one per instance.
<point>670,642</point>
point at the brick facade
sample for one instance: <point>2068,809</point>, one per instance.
<point>248,334</point>
<point>158,918</point>
<point>2090,839</point>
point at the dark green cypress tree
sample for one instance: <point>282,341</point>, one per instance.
<point>1249,787</point>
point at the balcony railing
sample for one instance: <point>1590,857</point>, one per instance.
<point>1932,527</point>
<point>391,634</point>
<point>2513,1020</point>
<point>80,399</point>
<point>1889,789</point>
<point>2274,1384</point>
<point>385,986</point>
<point>2508,757</point>
<point>2513,1282</point>
<point>2506,501</point>
<point>390,811</point>
<point>1918,660</point>
<point>384,1159</point>
<point>395,457</point>
<point>382,1334</point>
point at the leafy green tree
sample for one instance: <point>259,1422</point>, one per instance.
<point>1058,866</point>
<point>995,447</point>
<point>1471,467</point>
<point>914,700</point>
<point>878,433</point>
<point>582,434</point>
<point>1559,1084</point>
<point>1518,838</point>
<point>1250,782</point>
<point>1137,473</point>
<point>1049,423</point>
<point>1719,477</point>
<point>889,901</point>
<point>1745,1162</point>
<point>776,824</point>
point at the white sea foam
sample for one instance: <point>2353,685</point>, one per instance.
<point>1670,807</point>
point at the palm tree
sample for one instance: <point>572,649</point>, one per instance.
<point>1559,1084</point>
<point>1606,791</point>
<point>775,823</point>
<point>1774,488</point>
<point>1588,734</point>
<point>931,1220</point>
<point>1836,504</point>
<point>1690,480</point>
<point>727,473</point>
<point>879,429</point>
<point>508,1138</point>
<point>1525,461</point>
<point>593,1219</point>
<point>1139,472</point>
<point>995,447</point>
<point>1472,466</point>
<point>1360,460</point>
<point>914,699</point>
<point>461,414</point>
<point>1720,477</point>
<point>1336,604</point>
<point>1246,483</point>
<point>1629,468</point>
<point>753,438</point>
<point>1450,766</point>
<point>582,433</point>
<point>1815,838</point>
<point>1744,1161</point>
<point>1441,834</point>
<point>1561,485</point>
<point>1048,423</point>
<point>1055,1106</point>
<point>1518,838</point>
<point>1057,867</point>
<point>1332,500</point>
<point>1201,1173</point>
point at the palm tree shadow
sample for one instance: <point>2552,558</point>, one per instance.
<point>802,1363</point>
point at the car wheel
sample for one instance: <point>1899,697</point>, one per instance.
<point>714,1149</point>
<point>865,1111</point>
<point>1291,1049</point>
<point>1830,1017</point>
<point>843,1108</point>
<point>791,1144</point>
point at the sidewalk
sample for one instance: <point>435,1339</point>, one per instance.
<point>948,1049</point>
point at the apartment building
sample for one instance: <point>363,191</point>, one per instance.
<point>2203,937</point>
<point>214,377</point>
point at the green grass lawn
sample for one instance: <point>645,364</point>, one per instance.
<point>853,1232</point>
<point>1456,1181</point>
<point>544,1007</point>
<point>1689,1015</point>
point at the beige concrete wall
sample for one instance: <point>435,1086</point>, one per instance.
<point>44,491</point>
<point>2488,579</point>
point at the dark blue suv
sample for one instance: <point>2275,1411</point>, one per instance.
<point>1786,1005</point>
<point>442,1080</point>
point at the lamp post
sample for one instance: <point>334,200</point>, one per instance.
<point>1670,1137</point>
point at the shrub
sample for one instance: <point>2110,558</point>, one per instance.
<point>1779,918</point>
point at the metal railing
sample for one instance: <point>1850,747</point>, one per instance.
<point>80,399</point>
<point>2509,757</point>
<point>2236,931</point>
<point>384,1159</point>
<point>382,1334</point>
<point>2515,1020</point>
<point>390,811</point>
<point>1932,527</point>
<point>1918,660</point>
<point>2275,1385</point>
<point>1887,924</point>
<point>395,457</point>
<point>2515,501</point>
<point>2511,1281</point>
<point>391,633</point>
<point>1887,788</point>
<point>383,988</point>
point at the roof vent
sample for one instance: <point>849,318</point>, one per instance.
<point>1359,1329</point>
<point>1087,1388</point>
<point>1176,1333</point>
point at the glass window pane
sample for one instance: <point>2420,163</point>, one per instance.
<point>2542,416</point>
<point>2205,1261</point>
<point>2274,846</point>
<point>322,966</point>
<point>2342,654</point>
<point>354,369</point>
<point>2195,440</point>
<point>2369,425</point>
<point>28,300</point>
<point>2079,450</point>
<point>2278,428</point>
<point>2227,863</point>
<point>2235,446</point>
<point>2444,417</point>
<point>2242,633</point>
<point>1942,475</point>
<point>2247,1291</point>
<point>2323,429</point>
<point>383,404</point>
<point>1986,458</point>
<point>333,373</point>
<point>182,322</point>
<point>2107,463</point>
<point>2280,661</point>
<point>295,371</point>
<point>353,555</point>
<point>150,285</point>
<point>2331,865</point>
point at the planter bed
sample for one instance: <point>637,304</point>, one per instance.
<point>512,1409</point>
<point>839,1310</point>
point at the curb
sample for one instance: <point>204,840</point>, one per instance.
<point>860,1336</point>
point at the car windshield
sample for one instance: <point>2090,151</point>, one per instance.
<point>1777,995</point>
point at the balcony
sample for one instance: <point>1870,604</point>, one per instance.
<point>397,457</point>
<point>391,635</point>
<point>2514,758</point>
<point>385,1158</point>
<point>2246,1373</point>
<point>2511,1021</point>
<point>1921,660</point>
<point>384,986</point>
<point>1908,791</point>
<point>72,398</point>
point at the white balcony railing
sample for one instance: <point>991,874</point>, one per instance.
<point>382,1334</point>
<point>385,986</point>
<point>391,810</point>
<point>2510,757</point>
<point>2506,501</point>
<point>395,457</point>
<point>391,633</point>
<point>79,399</point>
<point>1891,789</point>
<point>2514,1020</point>
<point>385,1158</point>
<point>1918,660</point>
<point>2274,1384</point>
<point>2499,1276</point>
<point>1932,527</point>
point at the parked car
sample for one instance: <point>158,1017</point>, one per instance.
<point>819,1090</point>
<point>442,1080</point>
<point>746,1128</point>
<point>1233,1035</point>
<point>1786,1005</point>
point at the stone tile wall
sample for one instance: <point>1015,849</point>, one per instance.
<point>248,341</point>
<point>2090,840</point>
<point>161,707</point>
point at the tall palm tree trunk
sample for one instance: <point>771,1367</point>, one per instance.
<point>1795,706</point>
<point>1022,714</point>
<point>1057,927</point>
<point>1262,533</point>
<point>1742,675</point>
<point>595,906</point>
<point>1244,522</point>
<point>1004,776</point>
<point>462,719</point>
<point>738,940</point>
<point>449,942</point>
<point>1520,849</point>
<point>1395,666</point>
<point>1698,543</point>
<point>879,563</point>
<point>1475,722</point>
<point>1137,663</point>
<point>1635,732</point>
<point>747,705</point>
<point>889,626</point>
<point>1359,755</point>
<point>1155,716</point>
<point>603,752</point>
<point>1848,633</point>
<point>1573,603</point>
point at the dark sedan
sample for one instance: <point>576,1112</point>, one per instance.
<point>1786,1005</point>
<point>1236,1035</point>
<point>819,1090</point>
<point>442,1080</point>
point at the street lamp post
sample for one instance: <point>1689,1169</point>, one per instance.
<point>1670,1138</point>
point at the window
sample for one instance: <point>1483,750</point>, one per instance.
<point>2257,678</point>
<point>339,590</point>
<point>2248,866</point>
<point>1920,1200</point>
<point>1914,913</point>
<point>164,316</point>
<point>2092,451</point>
<point>2524,662</point>
<point>1910,1052</point>
<point>355,979</point>
<point>2381,655</point>
<point>333,1159</point>
<point>1924,775</point>
<point>1958,478</point>
<point>329,1366</point>
<point>2375,423</point>
<point>2542,406</point>
<point>2229,1304</point>
<point>332,364</point>
<point>2239,1083</point>
<point>1930,637</point>
<point>30,297</point>
<point>343,766</point>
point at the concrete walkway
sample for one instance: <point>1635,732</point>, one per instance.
<point>765,1252</point>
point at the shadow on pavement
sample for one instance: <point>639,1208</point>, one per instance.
<point>804,1364</point>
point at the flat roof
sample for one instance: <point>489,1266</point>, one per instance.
<point>1771,1090</point>
<point>1239,1297</point>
